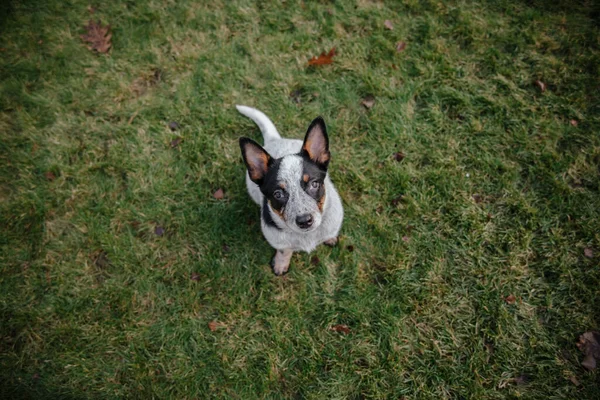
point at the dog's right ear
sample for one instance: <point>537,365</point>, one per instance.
<point>256,158</point>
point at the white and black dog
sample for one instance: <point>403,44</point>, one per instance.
<point>300,208</point>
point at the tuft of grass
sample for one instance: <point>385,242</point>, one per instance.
<point>115,257</point>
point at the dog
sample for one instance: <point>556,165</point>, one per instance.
<point>288,179</point>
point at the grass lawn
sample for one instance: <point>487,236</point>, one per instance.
<point>468,263</point>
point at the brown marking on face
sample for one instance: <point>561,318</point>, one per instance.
<point>278,212</point>
<point>321,202</point>
<point>305,178</point>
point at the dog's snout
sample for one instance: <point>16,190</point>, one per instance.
<point>304,221</point>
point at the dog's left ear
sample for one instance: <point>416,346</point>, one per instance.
<point>316,143</point>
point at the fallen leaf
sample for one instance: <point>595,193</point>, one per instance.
<point>173,126</point>
<point>195,277</point>
<point>175,142</point>
<point>574,122</point>
<point>101,260</point>
<point>350,248</point>
<point>400,46</point>
<point>219,194</point>
<point>159,230</point>
<point>589,344</point>
<point>399,156</point>
<point>212,325</point>
<point>589,253</point>
<point>405,239</point>
<point>98,37</point>
<point>341,328</point>
<point>50,176</point>
<point>315,260</point>
<point>477,198</point>
<point>510,299</point>
<point>541,85</point>
<point>368,101</point>
<point>388,24</point>
<point>574,380</point>
<point>323,58</point>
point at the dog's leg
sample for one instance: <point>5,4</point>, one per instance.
<point>331,242</point>
<point>281,261</point>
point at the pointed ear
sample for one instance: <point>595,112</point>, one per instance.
<point>256,158</point>
<point>316,143</point>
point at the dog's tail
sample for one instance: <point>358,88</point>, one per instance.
<point>265,125</point>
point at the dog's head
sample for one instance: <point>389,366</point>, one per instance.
<point>293,185</point>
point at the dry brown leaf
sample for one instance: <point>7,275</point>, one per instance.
<point>368,101</point>
<point>175,142</point>
<point>510,299</point>
<point>195,277</point>
<point>574,380</point>
<point>98,37</point>
<point>212,325</point>
<point>219,194</point>
<point>574,122</point>
<point>399,156</point>
<point>400,46</point>
<point>323,58</point>
<point>589,253</point>
<point>541,85</point>
<point>341,328</point>
<point>314,260</point>
<point>589,344</point>
<point>50,176</point>
<point>388,24</point>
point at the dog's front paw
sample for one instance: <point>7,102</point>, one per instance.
<point>280,263</point>
<point>331,242</point>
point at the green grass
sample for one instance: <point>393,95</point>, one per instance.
<point>500,196</point>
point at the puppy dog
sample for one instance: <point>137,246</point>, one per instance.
<point>287,178</point>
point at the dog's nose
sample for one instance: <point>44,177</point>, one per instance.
<point>304,221</point>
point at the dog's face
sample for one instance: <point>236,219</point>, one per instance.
<point>294,185</point>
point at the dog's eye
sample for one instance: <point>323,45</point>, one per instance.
<point>278,194</point>
<point>315,185</point>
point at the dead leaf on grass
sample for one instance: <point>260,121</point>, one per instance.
<point>510,299</point>
<point>101,260</point>
<point>574,122</point>
<point>314,260</point>
<point>341,328</point>
<point>388,24</point>
<point>98,37</point>
<point>219,194</point>
<point>368,101</point>
<point>541,85</point>
<point>399,156</point>
<point>175,142</point>
<point>400,46</point>
<point>173,126</point>
<point>323,58</point>
<point>589,344</point>
<point>212,325</point>
<point>574,380</point>
<point>195,277</point>
<point>50,176</point>
<point>589,253</point>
